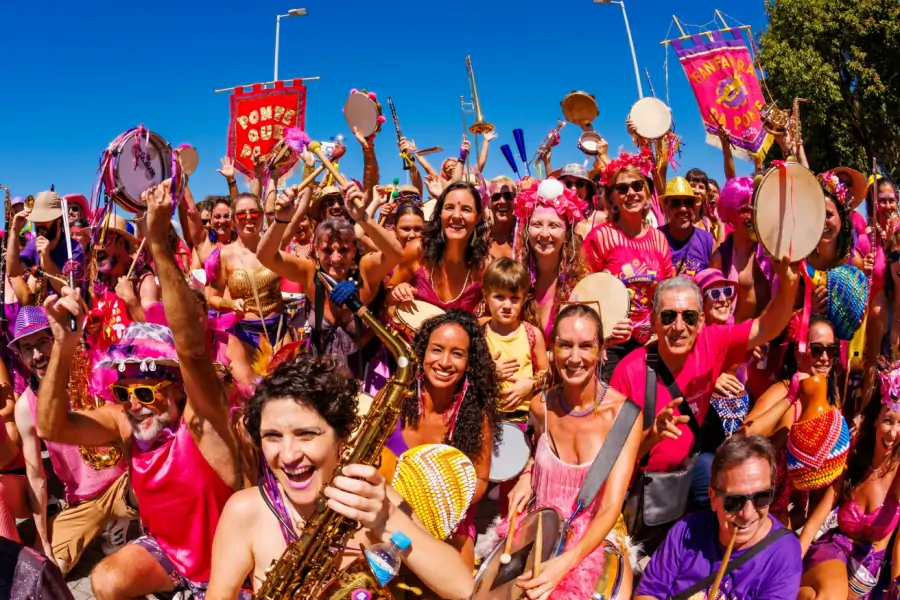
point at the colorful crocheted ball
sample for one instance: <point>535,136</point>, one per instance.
<point>732,411</point>
<point>848,297</point>
<point>817,451</point>
<point>438,482</point>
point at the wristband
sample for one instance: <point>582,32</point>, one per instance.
<point>463,154</point>
<point>277,220</point>
<point>525,472</point>
<point>231,182</point>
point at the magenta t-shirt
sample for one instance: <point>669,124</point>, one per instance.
<point>864,247</point>
<point>716,348</point>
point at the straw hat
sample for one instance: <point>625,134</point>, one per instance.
<point>46,208</point>
<point>678,187</point>
<point>119,225</point>
<point>858,185</point>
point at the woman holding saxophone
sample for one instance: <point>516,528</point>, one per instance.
<point>301,418</point>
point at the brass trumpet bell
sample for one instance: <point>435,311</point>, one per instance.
<point>480,125</point>
<point>775,120</point>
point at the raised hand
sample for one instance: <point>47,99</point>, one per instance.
<point>352,194</point>
<point>285,204</point>
<point>227,170</point>
<point>58,309</point>
<point>159,211</point>
<point>490,135</point>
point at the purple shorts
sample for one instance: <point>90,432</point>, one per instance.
<point>863,563</point>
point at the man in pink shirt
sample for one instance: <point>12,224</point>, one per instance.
<point>695,356</point>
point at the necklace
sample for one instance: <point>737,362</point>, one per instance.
<point>459,295</point>
<point>296,520</point>
<point>586,411</point>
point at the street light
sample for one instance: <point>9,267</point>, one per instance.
<point>637,74</point>
<point>294,12</point>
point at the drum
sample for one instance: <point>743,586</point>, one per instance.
<point>609,584</point>
<point>606,294</point>
<point>363,112</point>
<point>651,117</point>
<point>135,161</point>
<point>511,455</point>
<point>589,143</point>
<point>580,108</point>
<point>428,209</point>
<point>789,211</point>
<point>189,158</point>
<point>409,320</point>
<point>496,581</point>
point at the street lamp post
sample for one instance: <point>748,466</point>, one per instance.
<point>637,74</point>
<point>294,12</point>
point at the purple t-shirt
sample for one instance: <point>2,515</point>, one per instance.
<point>59,256</point>
<point>692,551</point>
<point>691,256</point>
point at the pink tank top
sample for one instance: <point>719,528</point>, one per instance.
<point>173,482</point>
<point>468,300</point>
<point>80,481</point>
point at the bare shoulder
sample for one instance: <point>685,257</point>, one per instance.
<point>244,507</point>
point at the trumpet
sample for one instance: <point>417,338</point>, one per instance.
<point>480,125</point>
<point>551,140</point>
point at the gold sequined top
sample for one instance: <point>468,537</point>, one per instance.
<point>268,286</point>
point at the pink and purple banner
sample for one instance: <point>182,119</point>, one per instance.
<point>721,72</point>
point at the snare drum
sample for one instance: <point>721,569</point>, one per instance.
<point>409,321</point>
<point>134,162</point>
<point>651,117</point>
<point>789,211</point>
<point>606,292</point>
<point>511,455</point>
<point>496,581</point>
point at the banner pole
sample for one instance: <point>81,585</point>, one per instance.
<point>246,85</point>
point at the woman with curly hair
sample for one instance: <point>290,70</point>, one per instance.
<point>572,421</point>
<point>300,419</point>
<point>849,559</point>
<point>455,404</point>
<point>444,268</point>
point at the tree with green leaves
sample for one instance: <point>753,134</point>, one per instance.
<point>844,57</point>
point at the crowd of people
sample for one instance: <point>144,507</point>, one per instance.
<point>732,433</point>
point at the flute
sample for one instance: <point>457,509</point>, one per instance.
<point>404,156</point>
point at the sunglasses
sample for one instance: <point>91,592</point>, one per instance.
<point>575,183</point>
<point>205,222</point>
<point>735,503</point>
<point>717,294</point>
<point>332,200</point>
<point>690,317</point>
<point>832,350</point>
<point>635,186</point>
<point>145,394</point>
<point>508,196</point>
<point>894,257</point>
<point>676,203</point>
<point>246,215</point>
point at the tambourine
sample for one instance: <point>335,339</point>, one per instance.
<point>410,320</point>
<point>363,112</point>
<point>189,158</point>
<point>589,143</point>
<point>651,117</point>
<point>133,163</point>
<point>774,120</point>
<point>580,108</point>
<point>789,211</point>
<point>606,293</point>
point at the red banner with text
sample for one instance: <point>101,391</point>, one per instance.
<point>259,118</point>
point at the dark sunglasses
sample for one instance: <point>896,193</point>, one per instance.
<point>635,186</point>
<point>332,200</point>
<point>668,316</point>
<point>894,257</point>
<point>205,222</point>
<point>832,350</point>
<point>575,183</point>
<point>244,215</point>
<point>676,203</point>
<point>508,196</point>
<point>735,503</point>
<point>145,394</point>
<point>717,294</point>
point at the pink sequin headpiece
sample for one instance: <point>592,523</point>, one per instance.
<point>552,194</point>
<point>832,184</point>
<point>890,387</point>
<point>643,161</point>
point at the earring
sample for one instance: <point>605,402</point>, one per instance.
<point>213,237</point>
<point>472,241</point>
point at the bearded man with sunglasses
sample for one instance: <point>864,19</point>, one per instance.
<point>172,425</point>
<point>691,246</point>
<point>765,560</point>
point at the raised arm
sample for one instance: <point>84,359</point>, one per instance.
<point>375,266</point>
<point>189,216</point>
<point>14,266</point>
<point>34,472</point>
<point>288,209</point>
<point>778,313</point>
<point>483,153</point>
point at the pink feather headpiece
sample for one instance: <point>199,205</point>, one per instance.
<point>832,184</point>
<point>643,161</point>
<point>552,194</point>
<point>890,387</point>
<point>296,139</point>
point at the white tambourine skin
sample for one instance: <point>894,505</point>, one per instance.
<point>361,112</point>
<point>136,177</point>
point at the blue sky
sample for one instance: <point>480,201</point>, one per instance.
<point>76,74</point>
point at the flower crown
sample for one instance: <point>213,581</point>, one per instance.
<point>832,184</point>
<point>643,161</point>
<point>890,386</point>
<point>552,194</point>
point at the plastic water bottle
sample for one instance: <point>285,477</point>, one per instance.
<point>385,558</point>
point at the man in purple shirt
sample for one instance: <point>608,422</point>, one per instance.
<point>741,490</point>
<point>47,249</point>
<point>692,247</point>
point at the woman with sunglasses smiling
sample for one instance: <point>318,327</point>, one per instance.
<point>628,247</point>
<point>572,420</point>
<point>502,192</point>
<point>868,500</point>
<point>740,491</point>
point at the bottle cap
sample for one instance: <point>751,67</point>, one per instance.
<point>400,540</point>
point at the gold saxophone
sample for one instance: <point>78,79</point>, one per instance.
<point>308,569</point>
<point>80,398</point>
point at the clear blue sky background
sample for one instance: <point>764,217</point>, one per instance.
<point>76,74</point>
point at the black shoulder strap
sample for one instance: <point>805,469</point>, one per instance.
<point>609,452</point>
<point>707,581</point>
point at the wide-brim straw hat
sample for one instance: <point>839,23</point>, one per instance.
<point>678,187</point>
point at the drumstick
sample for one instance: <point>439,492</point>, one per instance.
<point>316,148</point>
<point>714,590</point>
<point>538,543</point>
<point>135,260</point>
<point>506,556</point>
<point>308,181</point>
